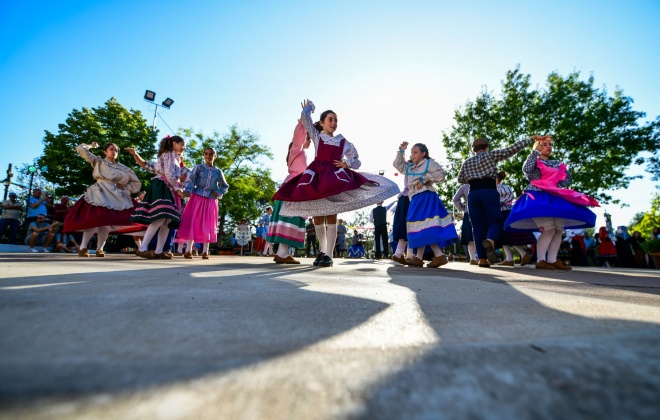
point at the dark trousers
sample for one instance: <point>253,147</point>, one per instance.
<point>13,229</point>
<point>311,243</point>
<point>485,216</point>
<point>380,241</point>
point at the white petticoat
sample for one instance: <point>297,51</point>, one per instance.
<point>366,195</point>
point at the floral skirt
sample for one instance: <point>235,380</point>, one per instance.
<point>367,195</point>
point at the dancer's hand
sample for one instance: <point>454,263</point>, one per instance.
<point>340,164</point>
<point>94,145</point>
<point>307,103</point>
<point>403,145</point>
<point>130,150</point>
<point>419,185</point>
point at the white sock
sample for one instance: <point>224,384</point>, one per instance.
<point>542,244</point>
<point>102,237</point>
<point>87,236</point>
<point>420,252</point>
<point>507,252</point>
<point>521,250</point>
<point>320,235</point>
<point>472,250</point>
<point>409,253</point>
<point>400,247</point>
<point>149,234</point>
<point>553,248</point>
<point>162,237</point>
<point>436,250</point>
<point>331,238</point>
<point>283,251</point>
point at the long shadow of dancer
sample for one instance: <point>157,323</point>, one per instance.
<point>522,351</point>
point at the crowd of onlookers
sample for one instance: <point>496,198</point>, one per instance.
<point>44,218</point>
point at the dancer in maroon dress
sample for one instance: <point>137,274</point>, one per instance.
<point>329,185</point>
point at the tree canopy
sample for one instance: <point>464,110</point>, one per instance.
<point>598,136</point>
<point>240,156</point>
<point>649,220</point>
<point>110,123</point>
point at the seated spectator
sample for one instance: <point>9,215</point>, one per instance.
<point>11,214</point>
<point>356,249</point>
<point>40,233</point>
<point>65,242</point>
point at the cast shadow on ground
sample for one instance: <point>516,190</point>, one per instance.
<point>125,331</point>
<point>511,356</point>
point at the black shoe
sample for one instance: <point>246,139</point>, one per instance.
<point>318,259</point>
<point>325,262</point>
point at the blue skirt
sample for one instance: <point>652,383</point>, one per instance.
<point>399,230</point>
<point>428,222</point>
<point>542,204</point>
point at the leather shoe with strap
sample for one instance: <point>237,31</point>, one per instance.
<point>438,261</point>
<point>415,262</point>
<point>525,259</point>
<point>398,259</point>
<point>543,265</point>
<point>561,266</point>
<point>506,263</point>
<point>483,263</point>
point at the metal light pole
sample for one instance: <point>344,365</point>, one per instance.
<point>7,181</point>
<point>150,96</point>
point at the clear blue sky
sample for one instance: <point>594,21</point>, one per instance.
<point>392,70</point>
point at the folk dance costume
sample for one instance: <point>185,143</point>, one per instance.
<point>161,206</point>
<point>427,221</point>
<point>290,230</point>
<point>549,206</point>
<point>399,227</point>
<point>199,221</point>
<point>460,200</point>
<point>107,205</point>
<point>483,199</point>
<point>512,239</point>
<point>323,189</point>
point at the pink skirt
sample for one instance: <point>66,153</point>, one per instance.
<point>199,221</point>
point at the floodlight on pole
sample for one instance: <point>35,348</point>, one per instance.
<point>150,96</point>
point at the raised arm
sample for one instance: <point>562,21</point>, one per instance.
<point>501,154</point>
<point>400,163</point>
<point>308,124</point>
<point>83,150</point>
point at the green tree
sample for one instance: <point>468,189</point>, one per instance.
<point>240,154</point>
<point>650,219</point>
<point>71,174</point>
<point>597,135</point>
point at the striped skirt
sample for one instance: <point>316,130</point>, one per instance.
<point>158,203</point>
<point>287,230</point>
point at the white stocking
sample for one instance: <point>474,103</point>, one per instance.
<point>320,235</point>
<point>102,237</point>
<point>507,252</point>
<point>331,238</point>
<point>189,245</point>
<point>283,251</point>
<point>206,246</point>
<point>162,237</point>
<point>437,252</point>
<point>401,247</point>
<point>521,250</point>
<point>420,252</point>
<point>409,253</point>
<point>472,250</point>
<point>87,236</point>
<point>149,234</point>
<point>553,249</point>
